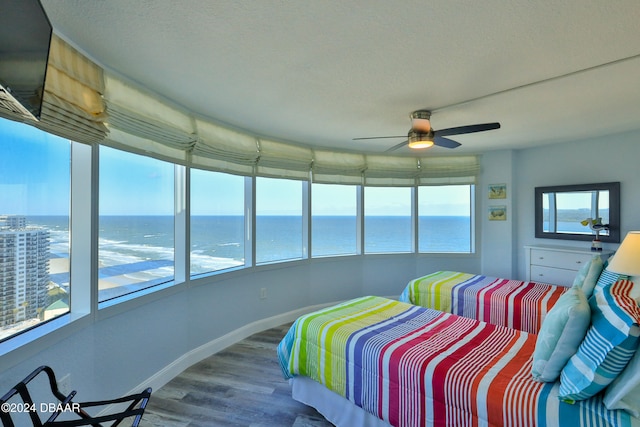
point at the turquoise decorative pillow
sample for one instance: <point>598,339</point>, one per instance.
<point>610,343</point>
<point>624,391</point>
<point>588,275</point>
<point>608,277</point>
<point>582,274</point>
<point>560,335</point>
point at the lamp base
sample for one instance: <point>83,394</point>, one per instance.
<point>596,245</point>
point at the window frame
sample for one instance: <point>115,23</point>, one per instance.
<point>177,228</point>
<point>189,230</point>
<point>85,307</point>
<point>472,221</point>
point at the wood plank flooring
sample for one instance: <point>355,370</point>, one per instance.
<point>240,386</point>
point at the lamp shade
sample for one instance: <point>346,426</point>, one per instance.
<point>627,258</point>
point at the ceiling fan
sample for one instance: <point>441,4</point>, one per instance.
<point>422,135</point>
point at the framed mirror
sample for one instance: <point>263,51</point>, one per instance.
<point>571,212</point>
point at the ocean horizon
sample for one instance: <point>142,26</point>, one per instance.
<point>139,249</point>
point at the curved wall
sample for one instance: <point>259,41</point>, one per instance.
<point>150,339</point>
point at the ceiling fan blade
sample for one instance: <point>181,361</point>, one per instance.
<point>395,147</point>
<point>467,129</point>
<point>445,142</point>
<point>379,137</point>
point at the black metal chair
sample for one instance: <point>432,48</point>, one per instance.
<point>19,401</point>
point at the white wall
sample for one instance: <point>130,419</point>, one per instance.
<point>149,339</point>
<point>608,159</point>
<point>498,242</point>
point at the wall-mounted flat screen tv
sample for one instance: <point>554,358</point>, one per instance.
<point>25,37</point>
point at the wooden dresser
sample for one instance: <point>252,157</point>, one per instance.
<point>558,265</point>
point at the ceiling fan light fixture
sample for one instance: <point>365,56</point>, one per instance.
<point>420,121</point>
<point>418,140</point>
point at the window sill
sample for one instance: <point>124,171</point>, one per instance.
<point>26,344</point>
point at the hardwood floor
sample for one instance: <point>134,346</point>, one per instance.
<point>240,386</point>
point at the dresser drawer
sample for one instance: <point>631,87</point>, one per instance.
<point>559,259</point>
<point>553,276</point>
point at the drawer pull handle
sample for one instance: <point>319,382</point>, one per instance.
<point>541,257</point>
<point>578,262</point>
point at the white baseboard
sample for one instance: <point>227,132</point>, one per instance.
<point>194,356</point>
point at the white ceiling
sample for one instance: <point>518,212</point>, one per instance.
<point>322,72</point>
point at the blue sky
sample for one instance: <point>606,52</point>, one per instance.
<point>34,180</point>
<point>34,171</point>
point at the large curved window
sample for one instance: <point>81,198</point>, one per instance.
<point>333,219</point>
<point>445,218</point>
<point>217,221</point>
<point>387,219</point>
<point>34,227</point>
<point>234,221</point>
<point>278,219</point>
<point>136,237</point>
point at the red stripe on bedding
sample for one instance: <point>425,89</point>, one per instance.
<point>512,303</point>
<point>410,351</point>
<point>417,367</point>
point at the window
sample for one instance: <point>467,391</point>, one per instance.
<point>445,218</point>
<point>34,227</point>
<point>334,219</point>
<point>136,237</point>
<point>387,219</point>
<point>217,221</point>
<point>278,219</point>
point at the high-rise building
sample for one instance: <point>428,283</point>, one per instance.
<point>24,270</point>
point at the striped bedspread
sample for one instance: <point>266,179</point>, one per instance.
<point>512,303</point>
<point>414,366</point>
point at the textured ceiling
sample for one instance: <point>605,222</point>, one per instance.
<point>322,72</point>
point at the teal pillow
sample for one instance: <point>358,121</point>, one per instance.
<point>610,343</point>
<point>560,335</point>
<point>588,275</point>
<point>624,391</point>
<point>608,277</point>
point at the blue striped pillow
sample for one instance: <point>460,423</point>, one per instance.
<point>610,343</point>
<point>607,277</point>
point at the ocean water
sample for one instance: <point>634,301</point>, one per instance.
<point>137,251</point>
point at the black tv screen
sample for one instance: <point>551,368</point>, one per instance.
<point>25,36</point>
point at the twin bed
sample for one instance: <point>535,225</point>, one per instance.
<point>455,351</point>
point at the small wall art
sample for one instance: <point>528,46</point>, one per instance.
<point>498,213</point>
<point>497,191</point>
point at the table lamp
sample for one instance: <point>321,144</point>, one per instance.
<point>627,258</point>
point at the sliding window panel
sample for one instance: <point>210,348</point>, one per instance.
<point>217,221</point>
<point>445,215</point>
<point>387,219</point>
<point>279,225</point>
<point>35,188</point>
<point>136,223</point>
<point>334,219</point>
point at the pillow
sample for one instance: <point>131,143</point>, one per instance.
<point>610,343</point>
<point>608,277</point>
<point>588,275</point>
<point>560,335</point>
<point>624,391</point>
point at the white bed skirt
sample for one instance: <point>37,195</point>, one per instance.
<point>335,408</point>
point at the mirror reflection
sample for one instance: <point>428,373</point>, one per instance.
<point>578,212</point>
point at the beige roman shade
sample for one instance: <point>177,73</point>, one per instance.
<point>448,170</point>
<point>72,103</point>
<point>85,104</point>
<point>143,122</point>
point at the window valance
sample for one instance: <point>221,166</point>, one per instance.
<point>72,105</point>
<point>85,104</point>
